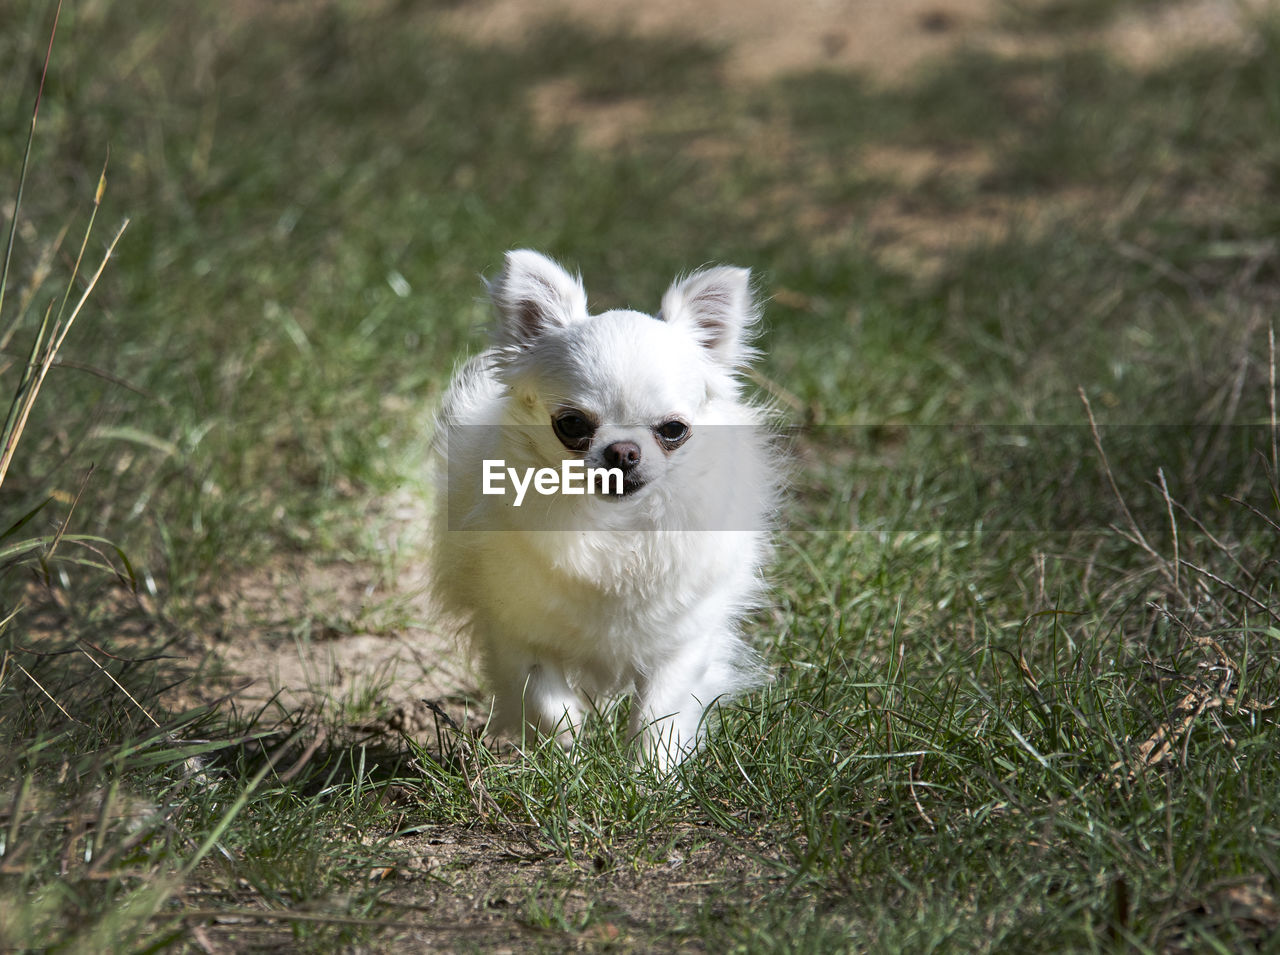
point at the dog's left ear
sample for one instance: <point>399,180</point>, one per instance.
<point>714,306</point>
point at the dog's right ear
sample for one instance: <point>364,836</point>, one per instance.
<point>533,294</point>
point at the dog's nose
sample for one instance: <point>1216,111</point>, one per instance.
<point>622,454</point>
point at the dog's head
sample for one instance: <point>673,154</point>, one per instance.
<point>621,389</point>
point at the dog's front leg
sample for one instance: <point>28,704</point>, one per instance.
<point>532,697</point>
<point>670,709</point>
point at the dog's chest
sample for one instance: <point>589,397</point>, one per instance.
<point>586,594</point>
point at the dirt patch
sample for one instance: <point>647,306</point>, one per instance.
<point>1149,38</point>
<point>598,124</point>
<point>765,39</point>
<point>579,903</point>
<point>454,889</point>
<point>887,43</point>
<point>919,241</point>
<point>357,644</point>
<point>911,166</point>
<point>761,39</point>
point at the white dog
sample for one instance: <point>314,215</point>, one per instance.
<point>604,514</point>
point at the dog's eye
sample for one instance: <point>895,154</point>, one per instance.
<point>574,430</point>
<point>672,433</point>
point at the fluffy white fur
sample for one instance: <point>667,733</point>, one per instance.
<point>570,600</point>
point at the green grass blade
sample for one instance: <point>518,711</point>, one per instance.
<point>22,179</point>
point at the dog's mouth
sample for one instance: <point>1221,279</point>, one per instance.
<point>630,485</point>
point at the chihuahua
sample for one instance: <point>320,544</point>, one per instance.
<point>606,502</point>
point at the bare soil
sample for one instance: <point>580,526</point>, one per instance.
<point>887,41</point>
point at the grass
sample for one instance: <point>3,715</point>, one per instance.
<point>1025,643</point>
